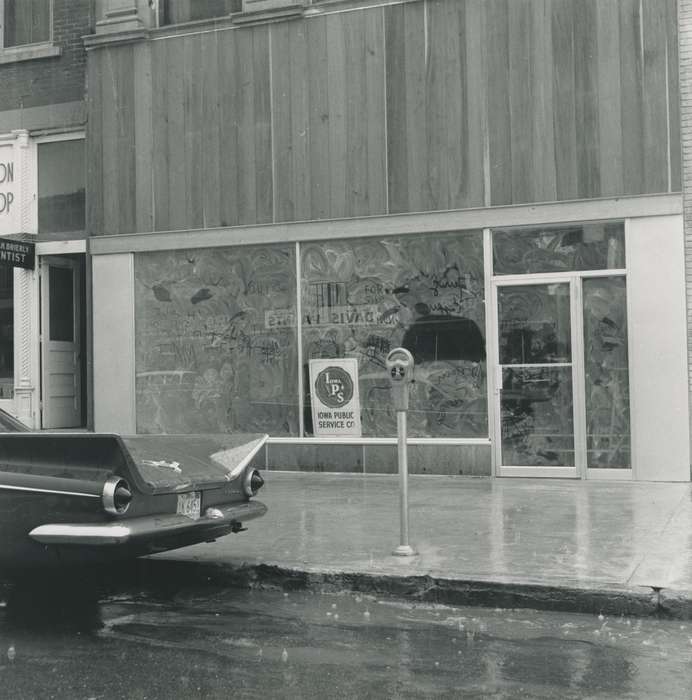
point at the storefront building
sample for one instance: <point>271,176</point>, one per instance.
<point>43,270</point>
<point>495,186</point>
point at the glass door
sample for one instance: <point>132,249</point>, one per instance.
<point>537,433</point>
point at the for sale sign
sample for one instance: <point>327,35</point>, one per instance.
<point>335,398</point>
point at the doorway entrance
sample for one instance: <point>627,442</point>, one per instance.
<point>561,376</point>
<point>62,341</point>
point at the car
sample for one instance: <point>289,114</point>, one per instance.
<point>77,498</point>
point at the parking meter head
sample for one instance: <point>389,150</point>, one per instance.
<point>399,363</point>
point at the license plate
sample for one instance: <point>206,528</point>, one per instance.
<point>190,504</point>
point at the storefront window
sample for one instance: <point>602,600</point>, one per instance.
<point>607,375</point>
<point>61,199</point>
<point>6,332</point>
<point>216,341</point>
<point>361,298</point>
<point>594,246</point>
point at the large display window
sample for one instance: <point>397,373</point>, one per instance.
<point>562,383</point>
<point>363,297</point>
<point>212,354</point>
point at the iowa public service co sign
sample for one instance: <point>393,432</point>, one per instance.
<point>335,398</point>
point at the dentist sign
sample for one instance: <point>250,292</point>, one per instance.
<point>335,398</point>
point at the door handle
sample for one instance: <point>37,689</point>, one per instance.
<point>498,379</point>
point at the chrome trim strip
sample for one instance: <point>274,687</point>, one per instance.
<point>149,527</point>
<point>53,491</point>
<point>110,533</point>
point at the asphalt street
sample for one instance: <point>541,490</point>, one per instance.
<point>206,642</point>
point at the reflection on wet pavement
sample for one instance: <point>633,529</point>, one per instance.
<point>266,644</point>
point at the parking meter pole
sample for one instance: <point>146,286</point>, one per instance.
<point>399,364</point>
<point>404,549</point>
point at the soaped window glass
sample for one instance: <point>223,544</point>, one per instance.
<point>215,344</point>
<point>362,298</point>
<point>592,246</point>
<point>606,373</point>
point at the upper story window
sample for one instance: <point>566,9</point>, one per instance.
<point>61,180</point>
<point>178,11</point>
<point>25,22</point>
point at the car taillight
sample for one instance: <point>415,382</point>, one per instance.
<point>252,483</point>
<point>116,496</point>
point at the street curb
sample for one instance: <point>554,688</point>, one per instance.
<point>638,602</point>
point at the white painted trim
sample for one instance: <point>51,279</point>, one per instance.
<point>490,345</point>
<point>113,329</point>
<point>542,472</point>
<point>496,406</point>
<point>658,354</point>
<point>391,225</point>
<point>29,52</point>
<point>634,457</point>
<point>553,277</point>
<point>482,442</point>
<point>132,377</point>
<point>578,376</point>
<point>595,474</point>
<point>77,245</point>
<point>62,136</point>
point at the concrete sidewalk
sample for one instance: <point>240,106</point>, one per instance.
<point>617,547</point>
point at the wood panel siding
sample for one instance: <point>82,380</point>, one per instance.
<point>426,105</point>
<point>117,173</point>
<point>431,114</point>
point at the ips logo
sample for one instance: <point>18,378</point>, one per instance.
<point>334,387</point>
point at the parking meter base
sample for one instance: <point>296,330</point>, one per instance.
<point>404,550</point>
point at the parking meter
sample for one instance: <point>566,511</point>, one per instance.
<point>400,365</point>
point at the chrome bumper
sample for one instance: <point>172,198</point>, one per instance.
<point>150,527</point>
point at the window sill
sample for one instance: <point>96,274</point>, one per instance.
<point>29,52</point>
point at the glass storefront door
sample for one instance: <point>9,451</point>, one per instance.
<point>535,378</point>
<point>561,377</point>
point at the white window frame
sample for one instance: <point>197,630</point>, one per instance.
<point>77,135</point>
<point>27,52</point>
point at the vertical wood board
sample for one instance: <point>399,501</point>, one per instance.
<point>609,96</point>
<point>631,102</point>
<point>94,143</point>
<point>499,126</point>
<point>654,97</point>
<point>160,117</point>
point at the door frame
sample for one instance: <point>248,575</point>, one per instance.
<point>44,310</point>
<point>580,470</point>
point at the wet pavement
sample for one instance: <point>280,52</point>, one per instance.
<point>221,643</point>
<point>625,537</point>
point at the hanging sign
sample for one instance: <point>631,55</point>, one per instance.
<point>15,253</point>
<point>335,398</point>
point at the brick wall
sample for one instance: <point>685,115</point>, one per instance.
<point>48,81</point>
<point>685,52</point>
